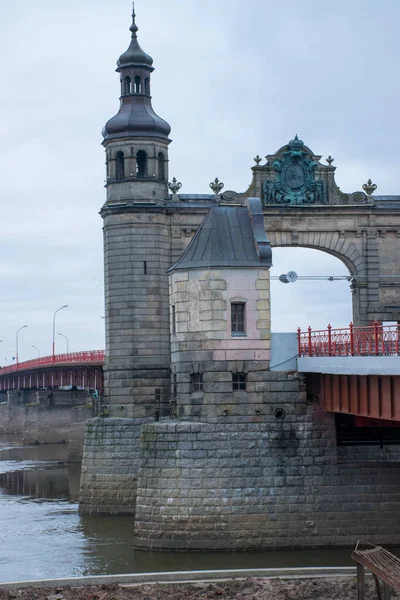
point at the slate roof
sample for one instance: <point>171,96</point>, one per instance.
<point>226,238</point>
<point>387,202</point>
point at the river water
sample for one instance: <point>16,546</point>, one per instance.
<point>43,536</point>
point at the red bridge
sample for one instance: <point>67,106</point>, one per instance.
<point>76,369</point>
<point>359,370</point>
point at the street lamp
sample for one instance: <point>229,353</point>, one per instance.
<point>37,349</point>
<point>16,341</point>
<point>66,339</point>
<point>54,327</point>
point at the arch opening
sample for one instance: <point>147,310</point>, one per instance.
<point>161,166</point>
<point>316,300</point>
<point>128,85</point>
<point>141,164</point>
<point>138,85</point>
<point>119,165</point>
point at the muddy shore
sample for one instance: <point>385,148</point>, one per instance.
<point>324,588</point>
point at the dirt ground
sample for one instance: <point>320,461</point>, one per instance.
<point>334,588</point>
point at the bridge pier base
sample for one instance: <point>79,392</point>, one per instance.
<point>110,466</point>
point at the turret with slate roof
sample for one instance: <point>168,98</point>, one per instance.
<point>220,314</point>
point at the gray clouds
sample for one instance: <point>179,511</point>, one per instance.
<point>232,79</point>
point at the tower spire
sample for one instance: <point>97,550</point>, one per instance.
<point>134,28</point>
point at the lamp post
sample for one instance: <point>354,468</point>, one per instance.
<point>37,350</point>
<point>66,339</point>
<point>16,341</point>
<point>54,328</point>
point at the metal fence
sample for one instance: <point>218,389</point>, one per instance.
<point>372,340</point>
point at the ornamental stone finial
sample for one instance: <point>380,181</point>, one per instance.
<point>174,185</point>
<point>216,186</point>
<point>329,160</point>
<point>369,187</point>
<point>257,159</point>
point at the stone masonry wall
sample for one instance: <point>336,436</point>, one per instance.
<point>137,255</point>
<point>204,343</point>
<point>266,481</point>
<point>38,422</point>
<point>202,301</point>
<point>110,465</point>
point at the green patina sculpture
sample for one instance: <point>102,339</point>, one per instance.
<point>295,181</point>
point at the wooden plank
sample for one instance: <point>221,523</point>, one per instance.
<point>360,581</point>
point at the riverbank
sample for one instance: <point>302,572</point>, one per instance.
<point>322,588</point>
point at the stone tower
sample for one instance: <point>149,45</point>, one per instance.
<point>136,244</point>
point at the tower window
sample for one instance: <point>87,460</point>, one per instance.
<point>141,164</point>
<point>138,85</point>
<point>128,85</point>
<point>196,382</point>
<point>147,86</point>
<point>161,166</point>
<point>119,165</point>
<point>239,381</point>
<point>237,318</point>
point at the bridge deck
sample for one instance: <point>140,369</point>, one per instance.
<point>79,369</point>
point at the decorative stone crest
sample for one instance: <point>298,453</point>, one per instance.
<point>216,186</point>
<point>231,196</point>
<point>358,197</point>
<point>174,185</point>
<point>295,181</point>
<point>257,159</point>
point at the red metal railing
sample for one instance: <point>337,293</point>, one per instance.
<point>372,340</point>
<point>89,357</point>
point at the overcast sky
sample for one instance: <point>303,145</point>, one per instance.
<point>233,79</point>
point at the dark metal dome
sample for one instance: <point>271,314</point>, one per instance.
<point>136,117</point>
<point>134,56</point>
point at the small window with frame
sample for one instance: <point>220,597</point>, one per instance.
<point>239,382</point>
<point>238,318</point>
<point>196,382</point>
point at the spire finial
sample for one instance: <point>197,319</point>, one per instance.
<point>134,28</point>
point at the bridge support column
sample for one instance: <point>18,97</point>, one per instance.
<point>137,246</point>
<point>110,466</point>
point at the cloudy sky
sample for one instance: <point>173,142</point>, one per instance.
<point>233,79</point>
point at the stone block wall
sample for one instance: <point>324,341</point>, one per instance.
<point>203,341</point>
<point>217,400</point>
<point>202,301</point>
<point>269,481</point>
<point>12,418</point>
<point>110,465</point>
<point>137,255</point>
<point>42,422</point>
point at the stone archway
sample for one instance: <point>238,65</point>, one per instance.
<point>303,206</point>
<point>347,250</point>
